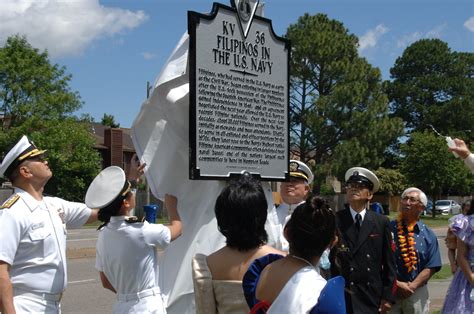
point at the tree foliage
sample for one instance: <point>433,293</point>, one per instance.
<point>429,166</point>
<point>339,112</point>
<point>36,96</point>
<point>31,86</point>
<point>392,181</point>
<point>434,86</point>
<point>109,120</point>
<point>70,155</point>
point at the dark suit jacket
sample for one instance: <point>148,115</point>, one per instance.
<point>367,262</point>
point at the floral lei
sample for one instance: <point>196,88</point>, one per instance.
<point>407,244</point>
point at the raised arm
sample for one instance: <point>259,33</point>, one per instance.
<point>135,170</point>
<point>464,153</point>
<point>175,225</point>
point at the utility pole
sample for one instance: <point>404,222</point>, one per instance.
<point>147,188</point>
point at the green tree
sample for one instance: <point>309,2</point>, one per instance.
<point>392,181</point>
<point>429,166</point>
<point>71,156</point>
<point>87,118</point>
<point>31,86</point>
<point>431,85</point>
<point>37,98</point>
<point>109,120</point>
<point>338,110</point>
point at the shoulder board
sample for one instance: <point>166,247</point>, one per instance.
<point>132,219</point>
<point>9,202</point>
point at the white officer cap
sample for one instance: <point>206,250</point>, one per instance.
<point>363,175</point>
<point>299,169</point>
<point>109,184</point>
<point>22,150</point>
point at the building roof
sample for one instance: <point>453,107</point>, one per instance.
<point>98,131</point>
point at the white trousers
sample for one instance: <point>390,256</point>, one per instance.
<point>27,304</point>
<point>151,304</point>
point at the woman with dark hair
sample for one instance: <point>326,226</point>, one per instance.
<point>460,297</point>
<point>125,255</point>
<point>292,284</point>
<point>241,212</point>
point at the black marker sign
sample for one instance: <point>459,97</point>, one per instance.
<point>239,101</point>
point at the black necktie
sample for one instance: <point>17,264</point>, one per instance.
<point>358,221</point>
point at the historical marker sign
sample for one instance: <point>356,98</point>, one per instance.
<point>239,101</point>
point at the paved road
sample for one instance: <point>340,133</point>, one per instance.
<point>85,294</point>
<point>82,238</point>
<point>439,288</point>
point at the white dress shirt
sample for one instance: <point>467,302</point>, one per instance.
<point>126,255</point>
<point>33,240</point>
<point>354,213</point>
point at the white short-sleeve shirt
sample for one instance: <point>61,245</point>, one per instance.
<point>33,240</point>
<point>126,254</point>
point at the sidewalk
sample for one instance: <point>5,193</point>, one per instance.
<point>438,290</point>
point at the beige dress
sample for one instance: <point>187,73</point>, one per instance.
<point>216,296</point>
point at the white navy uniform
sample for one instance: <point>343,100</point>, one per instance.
<point>33,243</point>
<point>277,220</point>
<point>126,255</point>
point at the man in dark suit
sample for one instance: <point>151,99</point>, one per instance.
<point>365,252</point>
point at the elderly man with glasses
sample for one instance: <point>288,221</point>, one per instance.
<point>417,254</point>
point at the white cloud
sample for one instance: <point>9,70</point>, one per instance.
<point>371,37</point>
<point>469,24</point>
<point>64,27</point>
<point>405,40</point>
<point>435,32</point>
<point>148,55</point>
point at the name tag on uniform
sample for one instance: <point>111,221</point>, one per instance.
<point>37,225</point>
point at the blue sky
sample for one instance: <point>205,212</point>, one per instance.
<point>113,47</point>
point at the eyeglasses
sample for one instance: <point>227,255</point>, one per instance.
<point>356,185</point>
<point>411,200</point>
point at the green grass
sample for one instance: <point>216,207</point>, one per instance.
<point>444,273</point>
<point>438,221</point>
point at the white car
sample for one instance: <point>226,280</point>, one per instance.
<point>446,207</point>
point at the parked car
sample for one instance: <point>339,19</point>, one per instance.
<point>446,207</point>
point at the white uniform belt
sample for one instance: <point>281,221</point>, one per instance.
<point>139,295</point>
<point>38,295</point>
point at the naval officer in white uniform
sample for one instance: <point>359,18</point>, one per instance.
<point>33,272</point>
<point>293,193</point>
<point>126,249</point>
